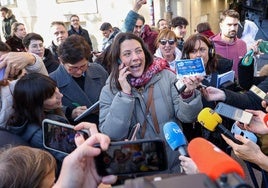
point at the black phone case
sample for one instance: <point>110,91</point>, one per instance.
<point>107,162</point>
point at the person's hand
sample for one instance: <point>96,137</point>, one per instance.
<point>138,4</point>
<point>192,82</point>
<point>247,151</point>
<point>78,110</point>
<point>188,165</point>
<point>78,168</point>
<point>264,104</point>
<point>15,62</point>
<point>213,94</point>
<point>96,53</point>
<point>257,125</point>
<point>255,47</point>
<point>123,73</point>
<point>90,127</point>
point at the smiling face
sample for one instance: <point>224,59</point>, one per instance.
<point>75,22</point>
<point>167,47</point>
<point>132,55</point>
<point>54,101</point>
<point>163,24</point>
<point>180,31</point>
<point>36,47</point>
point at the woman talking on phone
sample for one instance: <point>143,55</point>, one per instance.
<point>141,90</point>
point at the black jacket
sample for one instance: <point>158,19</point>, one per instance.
<point>246,76</point>
<point>82,32</point>
<point>54,50</point>
<point>15,44</point>
<point>50,62</point>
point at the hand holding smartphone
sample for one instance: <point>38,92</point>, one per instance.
<point>59,137</point>
<point>121,158</point>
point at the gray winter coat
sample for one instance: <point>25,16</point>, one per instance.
<point>119,111</point>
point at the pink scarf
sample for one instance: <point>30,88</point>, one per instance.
<point>157,66</point>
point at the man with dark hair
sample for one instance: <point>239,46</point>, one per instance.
<point>226,43</point>
<point>77,29</point>
<point>135,23</point>
<point>8,20</point>
<point>108,33</point>
<point>162,24</point>
<point>34,43</point>
<point>178,26</point>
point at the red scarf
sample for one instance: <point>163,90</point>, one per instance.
<point>157,66</point>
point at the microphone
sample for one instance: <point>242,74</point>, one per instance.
<point>175,138</point>
<point>265,119</point>
<point>209,119</point>
<point>211,160</point>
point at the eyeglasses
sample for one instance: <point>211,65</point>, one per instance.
<point>164,41</point>
<point>75,20</point>
<point>75,69</point>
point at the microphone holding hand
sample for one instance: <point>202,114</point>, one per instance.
<point>209,119</point>
<point>175,138</point>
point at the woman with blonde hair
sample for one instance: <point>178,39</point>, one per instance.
<point>166,43</point>
<point>18,32</point>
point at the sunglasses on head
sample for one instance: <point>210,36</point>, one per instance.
<point>164,41</point>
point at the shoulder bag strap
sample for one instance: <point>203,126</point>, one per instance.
<point>149,104</point>
<point>154,117</point>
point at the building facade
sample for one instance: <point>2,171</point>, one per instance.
<point>38,14</point>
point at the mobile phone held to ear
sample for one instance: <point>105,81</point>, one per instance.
<point>119,62</point>
<point>132,158</point>
<point>59,137</point>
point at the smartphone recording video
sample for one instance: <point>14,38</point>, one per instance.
<point>132,157</point>
<point>59,137</point>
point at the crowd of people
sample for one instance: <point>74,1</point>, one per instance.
<point>133,77</point>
